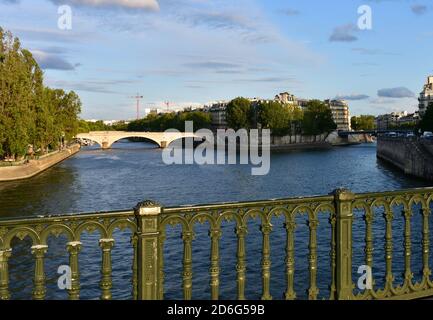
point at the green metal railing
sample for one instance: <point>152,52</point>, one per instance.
<point>149,220</point>
<point>41,228</point>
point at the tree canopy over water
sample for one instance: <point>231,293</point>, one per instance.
<point>240,114</point>
<point>317,118</point>
<point>363,122</point>
<point>31,113</point>
<point>162,122</point>
<point>281,119</point>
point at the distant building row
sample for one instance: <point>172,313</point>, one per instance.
<point>339,109</point>
<point>397,119</point>
<point>400,119</point>
<point>109,122</point>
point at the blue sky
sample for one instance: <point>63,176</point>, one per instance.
<point>197,51</point>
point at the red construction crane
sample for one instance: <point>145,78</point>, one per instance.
<point>138,98</point>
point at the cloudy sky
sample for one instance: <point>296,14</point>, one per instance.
<point>197,51</point>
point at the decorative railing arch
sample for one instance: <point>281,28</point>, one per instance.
<point>40,229</point>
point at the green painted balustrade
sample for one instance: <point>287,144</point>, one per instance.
<point>149,220</point>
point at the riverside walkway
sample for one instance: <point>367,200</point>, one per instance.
<point>36,166</point>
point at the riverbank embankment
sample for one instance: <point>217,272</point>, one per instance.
<point>301,146</point>
<point>33,167</point>
<point>411,155</point>
<point>311,142</point>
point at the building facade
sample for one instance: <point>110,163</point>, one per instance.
<point>426,96</point>
<point>410,119</point>
<point>218,115</point>
<point>286,98</point>
<point>302,103</point>
<point>339,109</point>
<point>390,120</point>
<point>340,114</point>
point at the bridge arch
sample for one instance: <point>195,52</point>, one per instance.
<point>134,136</point>
<point>170,141</point>
<point>90,139</point>
<point>107,138</point>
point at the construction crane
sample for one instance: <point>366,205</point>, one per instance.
<point>138,98</point>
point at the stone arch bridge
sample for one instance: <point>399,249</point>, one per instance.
<point>107,138</point>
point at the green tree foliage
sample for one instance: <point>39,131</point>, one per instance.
<point>279,118</point>
<point>87,126</point>
<point>363,122</point>
<point>120,126</point>
<point>201,120</point>
<point>317,118</point>
<point>410,126</point>
<point>162,122</point>
<point>17,80</point>
<point>426,123</point>
<point>239,114</point>
<point>30,114</point>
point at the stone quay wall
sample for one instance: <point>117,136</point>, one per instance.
<point>411,155</point>
<point>34,167</point>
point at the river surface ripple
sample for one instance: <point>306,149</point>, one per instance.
<point>96,180</point>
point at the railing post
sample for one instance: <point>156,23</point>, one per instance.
<point>39,290</point>
<point>106,281</point>
<point>147,214</point>
<point>74,248</point>
<point>4,274</point>
<point>343,209</point>
<point>134,267</point>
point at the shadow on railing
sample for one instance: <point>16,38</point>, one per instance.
<point>356,222</point>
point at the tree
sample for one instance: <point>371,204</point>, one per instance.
<point>239,114</point>
<point>162,122</point>
<point>317,118</point>
<point>47,128</point>
<point>30,114</point>
<point>87,126</point>
<point>200,120</point>
<point>17,99</point>
<point>69,108</point>
<point>276,117</point>
<point>363,122</point>
<point>426,123</point>
<point>409,126</point>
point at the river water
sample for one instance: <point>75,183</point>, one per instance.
<point>96,180</point>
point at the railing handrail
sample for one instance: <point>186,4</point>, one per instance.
<point>246,204</point>
<point>411,191</point>
<point>65,217</point>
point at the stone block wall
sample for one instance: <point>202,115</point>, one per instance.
<point>408,154</point>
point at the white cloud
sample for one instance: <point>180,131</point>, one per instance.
<point>52,61</point>
<point>344,33</point>
<point>129,4</point>
<point>399,92</point>
<point>419,9</point>
<point>353,96</point>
